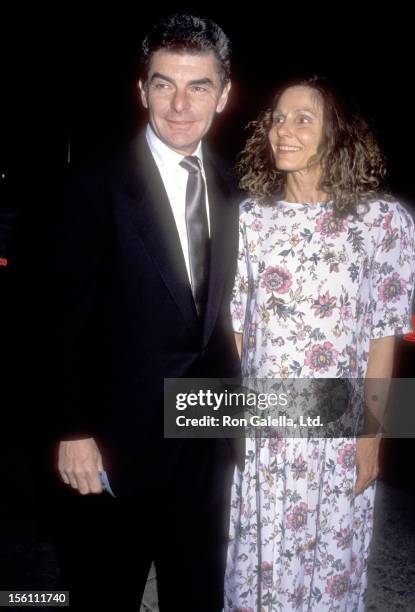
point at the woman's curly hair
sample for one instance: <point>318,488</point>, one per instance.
<point>353,167</point>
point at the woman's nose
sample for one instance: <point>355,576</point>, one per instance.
<point>284,129</point>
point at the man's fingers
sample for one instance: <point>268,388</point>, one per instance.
<point>73,482</point>
<point>88,481</point>
<point>64,477</point>
<point>83,482</point>
<point>83,485</point>
<point>94,482</point>
<point>99,463</point>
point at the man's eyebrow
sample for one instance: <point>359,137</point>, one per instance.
<point>204,81</point>
<point>158,75</point>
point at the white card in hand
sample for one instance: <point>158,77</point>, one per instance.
<point>105,483</point>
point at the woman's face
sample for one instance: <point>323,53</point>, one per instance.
<point>297,128</point>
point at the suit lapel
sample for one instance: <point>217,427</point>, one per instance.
<point>221,225</point>
<point>151,214</point>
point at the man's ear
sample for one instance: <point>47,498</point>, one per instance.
<point>223,98</point>
<point>143,93</point>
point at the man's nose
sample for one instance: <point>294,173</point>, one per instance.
<point>180,101</point>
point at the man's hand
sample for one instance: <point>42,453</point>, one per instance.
<point>367,462</point>
<point>79,464</point>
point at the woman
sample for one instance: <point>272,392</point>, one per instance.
<point>324,284</point>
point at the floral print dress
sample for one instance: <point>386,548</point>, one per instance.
<point>311,292</point>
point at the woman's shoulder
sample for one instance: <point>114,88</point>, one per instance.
<point>387,209</point>
<point>247,206</point>
<point>391,225</point>
<point>252,207</point>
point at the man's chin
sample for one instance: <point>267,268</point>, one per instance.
<point>184,146</point>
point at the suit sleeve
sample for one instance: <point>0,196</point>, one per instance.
<point>76,267</point>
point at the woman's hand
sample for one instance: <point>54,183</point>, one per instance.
<point>367,462</point>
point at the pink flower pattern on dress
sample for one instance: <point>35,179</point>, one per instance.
<point>256,225</point>
<point>276,279</point>
<point>321,357</point>
<point>338,585</point>
<point>297,519</point>
<point>344,538</point>
<point>346,456</point>
<point>328,225</point>
<point>324,305</point>
<point>392,288</point>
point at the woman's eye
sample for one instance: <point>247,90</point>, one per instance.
<point>278,119</point>
<point>198,89</point>
<point>304,119</point>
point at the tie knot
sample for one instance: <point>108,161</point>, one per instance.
<point>191,164</point>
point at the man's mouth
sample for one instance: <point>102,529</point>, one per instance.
<point>179,124</point>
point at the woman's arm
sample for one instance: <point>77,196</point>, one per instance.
<point>379,371</point>
<point>380,361</point>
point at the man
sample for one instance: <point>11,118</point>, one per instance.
<point>145,269</point>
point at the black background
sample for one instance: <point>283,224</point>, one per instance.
<point>370,57</point>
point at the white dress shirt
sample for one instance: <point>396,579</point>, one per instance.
<point>175,182</point>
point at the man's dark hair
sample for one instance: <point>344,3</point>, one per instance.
<point>185,33</point>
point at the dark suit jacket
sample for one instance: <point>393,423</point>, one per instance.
<point>125,317</point>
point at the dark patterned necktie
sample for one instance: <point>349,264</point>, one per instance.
<point>197,232</point>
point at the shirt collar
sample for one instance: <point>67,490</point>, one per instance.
<point>163,154</point>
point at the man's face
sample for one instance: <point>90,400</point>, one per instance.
<point>182,95</point>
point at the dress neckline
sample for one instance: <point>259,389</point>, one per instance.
<point>310,204</point>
